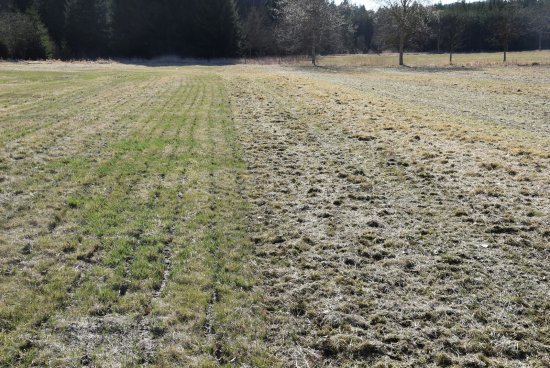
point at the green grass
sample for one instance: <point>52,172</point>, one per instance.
<point>121,206</point>
<point>398,215</point>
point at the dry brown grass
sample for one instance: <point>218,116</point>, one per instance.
<point>387,59</point>
<point>439,60</point>
<point>274,216</point>
<point>401,215</point>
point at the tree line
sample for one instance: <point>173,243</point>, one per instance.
<point>69,29</point>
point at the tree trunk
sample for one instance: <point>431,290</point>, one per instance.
<point>451,57</point>
<point>313,55</point>
<point>505,52</point>
<point>401,48</point>
<point>540,40</point>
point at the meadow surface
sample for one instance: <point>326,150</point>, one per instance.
<point>433,60</point>
<point>263,215</point>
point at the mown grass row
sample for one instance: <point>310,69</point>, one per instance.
<point>74,228</point>
<point>146,230</point>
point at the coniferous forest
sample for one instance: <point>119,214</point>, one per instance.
<point>73,29</point>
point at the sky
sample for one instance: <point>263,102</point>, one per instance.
<point>374,4</point>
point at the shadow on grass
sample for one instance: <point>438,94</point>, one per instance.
<point>443,69</point>
<point>177,61</point>
<point>374,68</point>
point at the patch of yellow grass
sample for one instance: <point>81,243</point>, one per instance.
<point>422,59</point>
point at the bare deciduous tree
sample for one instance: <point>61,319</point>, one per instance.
<point>408,17</point>
<point>436,25</point>
<point>309,26</point>
<point>452,24</point>
<point>505,24</point>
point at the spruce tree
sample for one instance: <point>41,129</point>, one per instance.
<point>52,14</point>
<point>217,27</point>
<point>86,28</point>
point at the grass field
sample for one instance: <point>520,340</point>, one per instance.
<point>267,216</point>
<point>423,60</point>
